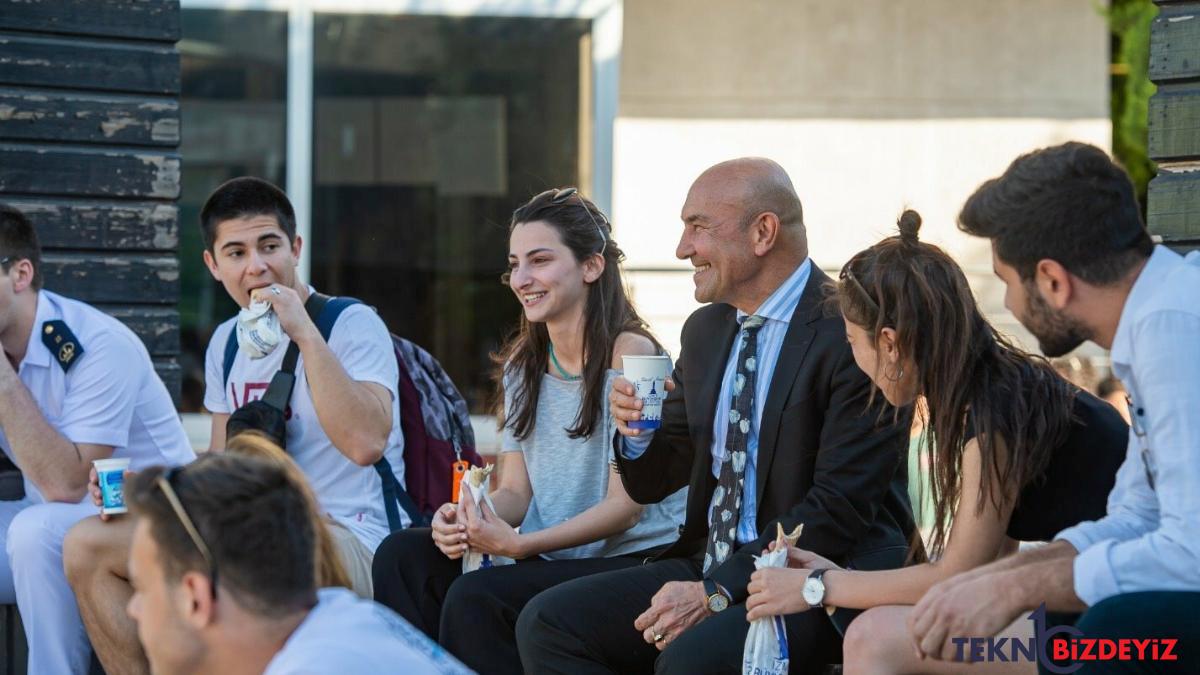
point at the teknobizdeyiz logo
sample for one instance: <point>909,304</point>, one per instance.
<point>1062,643</point>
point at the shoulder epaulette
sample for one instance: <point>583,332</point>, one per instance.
<point>62,343</point>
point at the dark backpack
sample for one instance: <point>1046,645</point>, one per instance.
<point>434,421</point>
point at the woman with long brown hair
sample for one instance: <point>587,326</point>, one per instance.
<point>1016,453</point>
<point>555,481</point>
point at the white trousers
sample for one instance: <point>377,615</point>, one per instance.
<point>31,573</point>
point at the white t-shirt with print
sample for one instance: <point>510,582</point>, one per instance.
<point>110,394</point>
<point>352,494</point>
<point>347,635</point>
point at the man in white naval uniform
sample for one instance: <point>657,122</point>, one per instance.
<point>76,385</point>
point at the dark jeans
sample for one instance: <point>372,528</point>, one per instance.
<point>586,626</point>
<point>473,616</point>
<point>1141,616</point>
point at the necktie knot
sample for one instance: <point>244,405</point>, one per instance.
<point>753,322</point>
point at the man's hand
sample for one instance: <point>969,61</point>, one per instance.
<point>625,406</point>
<point>776,591</point>
<point>487,532</point>
<point>288,306</point>
<point>676,607</point>
<point>974,606</point>
<point>449,533</point>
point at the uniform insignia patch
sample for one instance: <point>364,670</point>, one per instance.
<point>62,343</point>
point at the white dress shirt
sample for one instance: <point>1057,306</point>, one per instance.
<point>1150,538</point>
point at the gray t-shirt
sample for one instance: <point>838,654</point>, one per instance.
<point>570,475</point>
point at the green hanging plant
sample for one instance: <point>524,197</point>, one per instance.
<point>1129,25</point>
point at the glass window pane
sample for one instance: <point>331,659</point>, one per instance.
<point>234,67</point>
<point>428,132</point>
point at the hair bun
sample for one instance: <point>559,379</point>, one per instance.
<point>909,224</point>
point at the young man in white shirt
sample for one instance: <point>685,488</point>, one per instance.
<point>344,413</point>
<point>223,569</point>
<point>76,385</point>
<point>342,417</point>
<point>1068,241</point>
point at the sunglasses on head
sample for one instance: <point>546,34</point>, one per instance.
<point>164,483</point>
<point>847,274</point>
<point>564,195</point>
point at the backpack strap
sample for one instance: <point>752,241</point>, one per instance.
<point>279,391</point>
<point>231,349</point>
<point>394,493</point>
<point>325,312</point>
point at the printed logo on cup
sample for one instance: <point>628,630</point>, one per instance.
<point>110,473</point>
<point>648,374</point>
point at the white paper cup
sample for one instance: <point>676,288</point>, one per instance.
<point>648,375</point>
<point>111,475</point>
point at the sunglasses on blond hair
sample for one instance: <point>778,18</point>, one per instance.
<point>164,483</point>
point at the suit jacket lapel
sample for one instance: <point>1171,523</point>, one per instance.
<point>795,346</point>
<point>716,356</point>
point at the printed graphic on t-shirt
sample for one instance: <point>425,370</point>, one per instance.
<point>253,391</point>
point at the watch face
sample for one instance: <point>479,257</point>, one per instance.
<point>814,591</point>
<point>717,602</point>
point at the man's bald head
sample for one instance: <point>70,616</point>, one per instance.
<point>743,232</point>
<point>754,185</point>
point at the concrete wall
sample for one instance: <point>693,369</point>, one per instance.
<point>870,105</point>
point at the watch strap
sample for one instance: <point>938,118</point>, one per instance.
<point>711,588</point>
<point>816,575</point>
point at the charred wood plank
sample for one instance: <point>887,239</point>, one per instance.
<point>71,117</point>
<point>70,170</point>
<point>74,63</point>
<point>136,19</point>
<point>114,225</point>
<point>131,278</point>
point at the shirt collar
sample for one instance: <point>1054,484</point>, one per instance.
<point>36,353</point>
<point>1141,300</point>
<point>781,304</point>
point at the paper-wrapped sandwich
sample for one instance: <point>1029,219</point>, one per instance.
<point>478,481</point>
<point>766,651</point>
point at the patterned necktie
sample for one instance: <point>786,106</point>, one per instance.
<point>727,498</point>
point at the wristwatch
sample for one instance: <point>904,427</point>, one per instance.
<point>814,588</point>
<point>718,599</point>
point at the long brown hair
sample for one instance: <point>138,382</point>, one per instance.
<point>976,383</point>
<point>608,312</point>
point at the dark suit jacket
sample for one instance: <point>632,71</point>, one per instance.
<point>824,458</point>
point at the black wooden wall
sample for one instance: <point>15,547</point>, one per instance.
<point>1173,209</point>
<point>89,130</point>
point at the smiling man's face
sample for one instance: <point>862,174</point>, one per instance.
<point>716,241</point>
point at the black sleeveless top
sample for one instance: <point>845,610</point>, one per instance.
<point>1081,473</point>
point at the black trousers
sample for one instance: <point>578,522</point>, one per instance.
<point>473,616</point>
<point>1141,616</point>
<point>586,626</point>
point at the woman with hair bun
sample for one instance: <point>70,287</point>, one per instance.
<point>1016,453</point>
